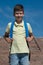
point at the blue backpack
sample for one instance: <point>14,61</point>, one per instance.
<point>26,29</point>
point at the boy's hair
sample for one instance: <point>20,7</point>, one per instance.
<point>18,7</point>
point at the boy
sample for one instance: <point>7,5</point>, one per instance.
<point>19,50</point>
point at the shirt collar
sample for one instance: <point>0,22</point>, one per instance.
<point>20,25</point>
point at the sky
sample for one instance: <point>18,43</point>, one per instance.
<point>33,11</point>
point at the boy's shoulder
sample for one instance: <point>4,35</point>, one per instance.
<point>28,24</point>
<point>9,24</point>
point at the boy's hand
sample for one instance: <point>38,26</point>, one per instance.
<point>9,40</point>
<point>29,39</point>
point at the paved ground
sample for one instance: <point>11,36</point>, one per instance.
<point>36,54</point>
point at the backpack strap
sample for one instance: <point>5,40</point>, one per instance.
<point>11,29</point>
<point>26,29</point>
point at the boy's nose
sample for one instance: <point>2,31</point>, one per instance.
<point>19,15</point>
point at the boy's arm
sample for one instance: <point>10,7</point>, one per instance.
<point>6,35</point>
<point>30,38</point>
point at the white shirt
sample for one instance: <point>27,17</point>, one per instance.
<point>19,44</point>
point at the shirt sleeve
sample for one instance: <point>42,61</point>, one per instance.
<point>8,27</point>
<point>29,28</point>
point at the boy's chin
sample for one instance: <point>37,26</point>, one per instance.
<point>19,20</point>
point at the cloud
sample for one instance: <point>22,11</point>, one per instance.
<point>9,9</point>
<point>33,15</point>
<point>1,28</point>
<point>35,18</point>
<point>0,10</point>
<point>6,14</point>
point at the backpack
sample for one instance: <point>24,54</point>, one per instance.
<point>11,29</point>
<point>26,30</point>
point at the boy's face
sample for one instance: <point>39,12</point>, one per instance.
<point>19,15</point>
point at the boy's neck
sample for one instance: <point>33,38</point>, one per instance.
<point>18,22</point>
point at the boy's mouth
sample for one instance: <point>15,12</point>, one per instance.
<point>18,17</point>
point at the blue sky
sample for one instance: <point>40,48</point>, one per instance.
<point>33,14</point>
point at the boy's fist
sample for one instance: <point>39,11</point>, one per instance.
<point>9,40</point>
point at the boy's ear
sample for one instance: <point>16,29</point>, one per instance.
<point>23,14</point>
<point>13,14</point>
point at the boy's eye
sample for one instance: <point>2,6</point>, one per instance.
<point>18,13</point>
